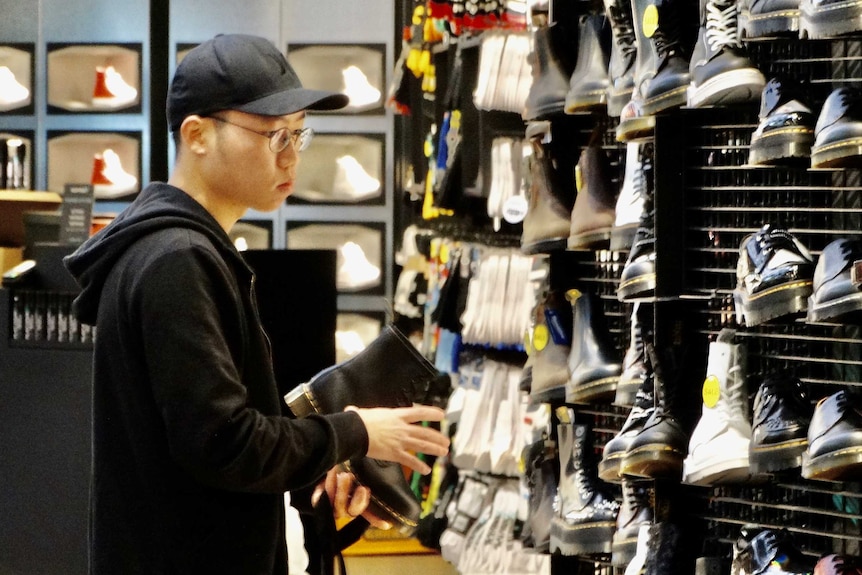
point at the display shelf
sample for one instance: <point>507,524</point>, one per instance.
<point>94,78</point>
<point>354,331</point>
<point>17,78</point>
<point>111,161</point>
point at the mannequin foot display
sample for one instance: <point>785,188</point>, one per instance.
<point>111,91</point>
<point>360,91</point>
<point>109,179</point>
<point>352,182</point>
<point>355,271</point>
<point>13,94</point>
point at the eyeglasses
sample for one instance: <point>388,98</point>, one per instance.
<point>281,138</point>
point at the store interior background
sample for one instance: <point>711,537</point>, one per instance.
<point>159,28</point>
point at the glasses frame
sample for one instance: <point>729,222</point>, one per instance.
<point>299,139</point>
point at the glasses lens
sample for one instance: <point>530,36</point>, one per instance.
<point>303,138</point>
<point>279,140</point>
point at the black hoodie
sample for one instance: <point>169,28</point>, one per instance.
<point>191,453</point>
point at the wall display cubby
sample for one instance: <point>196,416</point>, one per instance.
<point>16,160</point>
<point>94,78</point>
<point>342,169</point>
<point>356,70</point>
<point>111,161</point>
<point>17,78</point>
<point>354,331</point>
<point>360,261</point>
<point>252,235</point>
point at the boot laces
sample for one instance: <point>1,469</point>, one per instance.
<point>721,26</point>
<point>625,29</point>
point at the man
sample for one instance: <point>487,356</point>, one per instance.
<point>191,453</point>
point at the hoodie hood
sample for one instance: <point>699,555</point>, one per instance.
<point>157,207</point>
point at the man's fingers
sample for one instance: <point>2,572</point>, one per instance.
<point>342,494</point>
<point>376,521</point>
<point>423,413</point>
<point>359,502</point>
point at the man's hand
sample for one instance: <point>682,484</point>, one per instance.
<point>347,498</point>
<point>392,435</point>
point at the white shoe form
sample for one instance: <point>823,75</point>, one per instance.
<point>12,93</point>
<point>111,90</point>
<point>109,179</point>
<point>355,271</point>
<point>357,87</point>
<point>352,182</point>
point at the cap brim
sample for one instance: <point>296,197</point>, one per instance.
<point>296,100</point>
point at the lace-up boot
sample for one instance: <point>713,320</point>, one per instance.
<point>635,511</point>
<point>630,202</point>
<point>837,281</point>
<point>828,18</point>
<point>638,276</point>
<point>834,439</point>
<point>773,276</point>
<point>662,76</point>
<point>721,73</point>
<point>615,450</point>
<point>587,513</point>
<point>768,551</point>
<point>786,129</point>
<point>838,565</point>
<point>718,449</point>
<point>634,362</point>
<point>782,413</point>
<point>621,66</point>
<point>551,195</point>
<point>589,82</point>
<point>768,18</point>
<point>539,460</point>
<point>593,369</point>
<point>593,213</point>
<point>658,450</point>
<point>838,132</point>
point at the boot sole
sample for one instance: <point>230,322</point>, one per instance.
<point>786,299</point>
<point>769,24</point>
<point>781,145</point>
<point>624,547</point>
<point>671,99</point>
<point>839,18</point>
<point>632,129</point>
<point>627,392</point>
<point>609,468</point>
<point>636,287</point>
<point>556,394</point>
<point>623,237</point>
<point>841,154</point>
<point>731,87</point>
<point>776,457</point>
<point>598,390</point>
<point>617,101</point>
<point>653,461</point>
<point>833,308</point>
<point>586,102</point>
<point>583,539</point>
<point>544,246</point>
<point>833,466</point>
<point>591,240</point>
<point>731,470</point>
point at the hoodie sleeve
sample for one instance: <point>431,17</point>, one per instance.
<point>193,332</point>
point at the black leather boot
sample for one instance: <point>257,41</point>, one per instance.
<point>773,276</point>
<point>659,449</point>
<point>390,372</point>
<point>786,129</point>
<point>838,132</point>
<point>547,95</point>
<point>593,368</point>
<point>587,519</point>
<point>721,72</point>
<point>782,413</point>
<point>837,281</point>
<point>621,67</point>
<point>637,279</point>
<point>828,18</point>
<point>668,552</point>
<point>634,362</point>
<point>768,18</point>
<point>834,439</point>
<point>551,194</point>
<point>593,214</point>
<point>635,511</point>
<point>615,450</point>
<point>589,82</point>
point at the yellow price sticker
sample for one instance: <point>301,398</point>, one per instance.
<point>650,21</point>
<point>711,391</point>
<point>541,336</point>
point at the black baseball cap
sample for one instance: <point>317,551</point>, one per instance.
<point>241,72</point>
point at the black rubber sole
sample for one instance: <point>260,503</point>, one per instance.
<point>835,19</point>
<point>834,466</point>
<point>781,145</point>
<point>654,461</point>
<point>592,391</point>
<point>776,457</point>
<point>582,538</point>
<point>769,24</point>
<point>785,299</point>
<point>840,154</point>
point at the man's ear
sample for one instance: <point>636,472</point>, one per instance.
<point>196,133</point>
